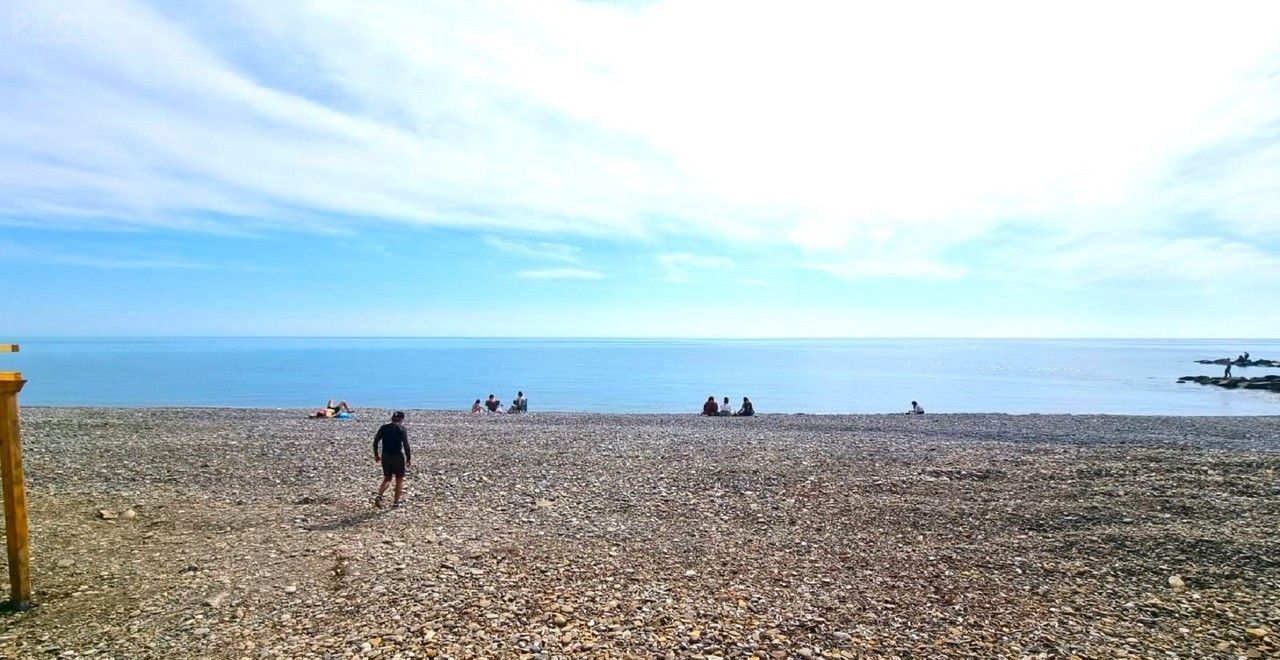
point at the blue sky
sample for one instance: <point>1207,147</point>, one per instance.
<point>640,169</point>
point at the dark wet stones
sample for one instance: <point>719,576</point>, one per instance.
<point>1270,382</point>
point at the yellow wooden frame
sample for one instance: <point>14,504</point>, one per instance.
<point>15,497</point>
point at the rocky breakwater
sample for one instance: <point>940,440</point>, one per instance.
<point>1271,382</point>
<point>1241,362</point>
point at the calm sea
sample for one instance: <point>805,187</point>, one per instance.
<point>643,375</point>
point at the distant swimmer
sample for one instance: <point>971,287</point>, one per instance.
<point>747,409</point>
<point>710,408</point>
<point>394,457</point>
<point>477,407</point>
<point>916,409</point>
<point>726,408</point>
<point>332,410</point>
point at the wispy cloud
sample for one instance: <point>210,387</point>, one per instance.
<point>676,266</point>
<point>535,249</point>
<point>900,268</point>
<point>17,252</point>
<point>560,274</point>
<point>1213,265</point>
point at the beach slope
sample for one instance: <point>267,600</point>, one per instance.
<point>250,533</point>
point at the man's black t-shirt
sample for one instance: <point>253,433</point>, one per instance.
<point>395,441</point>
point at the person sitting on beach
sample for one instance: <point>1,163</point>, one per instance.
<point>394,457</point>
<point>725,408</point>
<point>477,407</point>
<point>521,403</point>
<point>492,404</point>
<point>916,409</point>
<point>514,409</point>
<point>710,408</point>
<point>747,409</point>
<point>331,410</point>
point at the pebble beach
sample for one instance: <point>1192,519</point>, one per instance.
<point>224,533</point>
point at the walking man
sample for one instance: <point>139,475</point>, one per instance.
<point>395,456</point>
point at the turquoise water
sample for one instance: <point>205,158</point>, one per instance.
<point>641,375</point>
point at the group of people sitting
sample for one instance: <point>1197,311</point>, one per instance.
<point>494,405</point>
<point>520,404</point>
<point>710,408</point>
<point>723,409</point>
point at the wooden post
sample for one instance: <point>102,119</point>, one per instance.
<point>15,497</point>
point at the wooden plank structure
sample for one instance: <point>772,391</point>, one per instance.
<point>15,496</point>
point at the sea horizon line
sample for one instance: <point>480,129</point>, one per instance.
<point>39,337</point>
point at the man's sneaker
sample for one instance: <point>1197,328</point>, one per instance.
<point>377,501</point>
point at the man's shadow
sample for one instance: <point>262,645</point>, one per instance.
<point>345,522</point>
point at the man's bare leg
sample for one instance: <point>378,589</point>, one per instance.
<point>399,490</point>
<point>386,481</point>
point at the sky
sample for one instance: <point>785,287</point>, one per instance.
<point>637,169</point>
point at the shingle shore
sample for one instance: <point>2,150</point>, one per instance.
<point>581,535</point>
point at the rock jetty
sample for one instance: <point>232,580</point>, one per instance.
<point>1241,362</point>
<point>1271,382</point>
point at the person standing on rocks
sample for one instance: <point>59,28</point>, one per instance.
<point>394,457</point>
<point>1227,373</point>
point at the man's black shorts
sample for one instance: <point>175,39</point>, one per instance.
<point>393,465</point>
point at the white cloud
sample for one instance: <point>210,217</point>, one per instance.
<point>1216,265</point>
<point>873,138</point>
<point>560,274</point>
<point>536,249</point>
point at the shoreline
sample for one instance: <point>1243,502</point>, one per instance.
<point>679,414</point>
